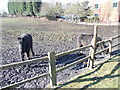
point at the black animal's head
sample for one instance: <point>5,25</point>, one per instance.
<point>19,39</point>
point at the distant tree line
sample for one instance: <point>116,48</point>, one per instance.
<point>71,11</point>
<point>24,7</point>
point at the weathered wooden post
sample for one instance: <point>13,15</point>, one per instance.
<point>110,46</point>
<point>93,48</point>
<point>52,69</point>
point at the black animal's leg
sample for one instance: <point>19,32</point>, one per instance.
<point>22,54</point>
<point>28,55</point>
<point>33,52</point>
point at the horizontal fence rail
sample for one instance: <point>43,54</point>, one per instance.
<point>4,67</point>
<point>108,40</point>
<point>115,45</point>
<point>52,57</point>
<point>117,36</point>
<point>25,81</point>
<point>71,51</point>
<point>103,41</point>
<point>76,62</point>
<point>101,51</point>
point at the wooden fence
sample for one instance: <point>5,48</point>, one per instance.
<point>51,58</point>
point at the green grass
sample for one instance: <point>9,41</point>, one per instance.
<point>106,75</point>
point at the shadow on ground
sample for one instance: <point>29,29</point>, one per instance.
<point>70,58</point>
<point>115,52</point>
<point>95,79</point>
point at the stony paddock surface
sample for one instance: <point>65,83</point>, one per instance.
<point>47,36</point>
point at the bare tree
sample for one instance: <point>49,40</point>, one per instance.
<point>45,9</point>
<point>51,10</point>
<point>58,10</point>
<point>78,9</point>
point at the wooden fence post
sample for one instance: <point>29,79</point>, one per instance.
<point>110,47</point>
<point>93,48</point>
<point>52,69</point>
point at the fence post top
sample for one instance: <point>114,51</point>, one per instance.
<point>52,52</point>
<point>110,38</point>
<point>95,28</point>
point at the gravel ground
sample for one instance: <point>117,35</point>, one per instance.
<point>44,41</point>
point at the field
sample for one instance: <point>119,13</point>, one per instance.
<point>47,36</point>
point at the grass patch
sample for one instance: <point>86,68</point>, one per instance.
<point>105,75</point>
